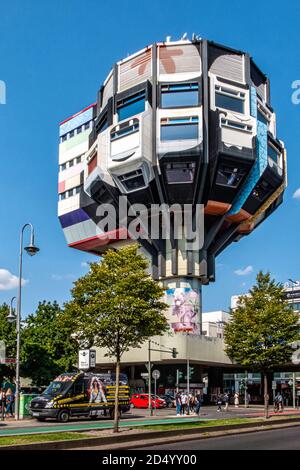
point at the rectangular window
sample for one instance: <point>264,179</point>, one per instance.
<point>64,137</point>
<point>77,189</point>
<point>179,128</point>
<point>180,172</point>
<point>229,176</point>
<point>72,133</point>
<point>70,193</point>
<point>71,163</point>
<point>236,125</point>
<point>78,159</point>
<point>79,130</point>
<point>133,180</point>
<point>87,125</point>
<point>62,196</point>
<point>63,167</point>
<point>181,95</point>
<point>128,107</point>
<point>273,154</point>
<point>126,128</point>
<point>226,98</point>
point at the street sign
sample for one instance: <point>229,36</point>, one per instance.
<point>290,382</point>
<point>8,360</point>
<point>147,365</point>
<point>86,359</point>
<point>274,385</point>
<point>156,374</point>
<point>144,375</point>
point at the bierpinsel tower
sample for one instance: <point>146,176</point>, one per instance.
<point>186,123</point>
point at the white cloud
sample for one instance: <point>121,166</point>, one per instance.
<point>244,272</point>
<point>62,277</point>
<point>9,281</point>
<point>296,194</point>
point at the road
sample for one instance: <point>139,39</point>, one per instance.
<point>287,439</point>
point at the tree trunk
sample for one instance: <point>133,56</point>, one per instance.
<point>266,396</point>
<point>116,413</point>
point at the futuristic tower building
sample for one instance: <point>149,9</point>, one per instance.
<point>184,122</point>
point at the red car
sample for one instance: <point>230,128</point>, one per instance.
<point>140,400</point>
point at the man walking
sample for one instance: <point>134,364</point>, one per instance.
<point>198,403</point>
<point>226,401</point>
<point>178,403</point>
<point>184,402</point>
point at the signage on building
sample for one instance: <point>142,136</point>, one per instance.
<point>86,359</point>
<point>293,294</point>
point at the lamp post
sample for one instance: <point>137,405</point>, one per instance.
<point>31,249</point>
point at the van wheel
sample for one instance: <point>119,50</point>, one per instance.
<point>63,416</point>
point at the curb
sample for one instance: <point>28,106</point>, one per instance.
<point>154,436</point>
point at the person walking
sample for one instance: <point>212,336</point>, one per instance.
<point>9,402</point>
<point>178,404</point>
<point>198,403</point>
<point>278,402</point>
<point>184,403</point>
<point>2,403</point>
<point>219,403</point>
<point>236,400</point>
<point>226,401</point>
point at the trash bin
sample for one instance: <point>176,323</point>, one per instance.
<point>25,399</point>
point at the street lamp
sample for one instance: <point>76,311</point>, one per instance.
<point>31,249</point>
<point>11,318</point>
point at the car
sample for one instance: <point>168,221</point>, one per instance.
<point>170,401</point>
<point>141,400</point>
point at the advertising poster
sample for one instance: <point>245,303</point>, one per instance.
<point>96,391</point>
<point>184,311</point>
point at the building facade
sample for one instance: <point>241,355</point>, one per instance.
<point>185,123</point>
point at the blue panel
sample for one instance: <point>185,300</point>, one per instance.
<point>260,163</point>
<point>72,218</point>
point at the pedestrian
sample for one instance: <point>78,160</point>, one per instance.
<point>198,403</point>
<point>278,402</point>
<point>191,408</point>
<point>248,399</point>
<point>226,401</point>
<point>9,402</point>
<point>236,400</point>
<point>2,403</point>
<point>219,403</point>
<point>178,403</point>
<point>184,403</point>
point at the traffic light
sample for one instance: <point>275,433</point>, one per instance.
<point>191,371</point>
<point>180,375</point>
<point>174,353</point>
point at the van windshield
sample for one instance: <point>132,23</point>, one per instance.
<point>58,386</point>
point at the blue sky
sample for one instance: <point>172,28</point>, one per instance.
<point>54,56</point>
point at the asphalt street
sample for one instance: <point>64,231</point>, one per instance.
<point>281,439</point>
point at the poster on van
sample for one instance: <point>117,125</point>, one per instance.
<point>96,390</point>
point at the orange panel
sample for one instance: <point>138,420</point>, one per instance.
<point>216,208</point>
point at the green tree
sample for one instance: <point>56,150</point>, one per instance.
<point>262,329</point>
<point>47,347</point>
<point>117,306</point>
<point>8,335</point>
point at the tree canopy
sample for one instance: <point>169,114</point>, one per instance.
<point>117,305</point>
<point>262,327</point>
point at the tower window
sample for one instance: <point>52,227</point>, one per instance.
<point>131,106</point>
<point>179,128</point>
<point>133,180</point>
<point>229,176</point>
<point>126,128</point>
<point>180,95</point>
<point>180,172</point>
<point>227,98</point>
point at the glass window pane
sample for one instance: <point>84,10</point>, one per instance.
<point>229,102</point>
<point>180,173</point>
<point>131,106</point>
<point>174,99</point>
<point>134,183</point>
<point>273,154</point>
<point>228,176</point>
<point>179,132</point>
